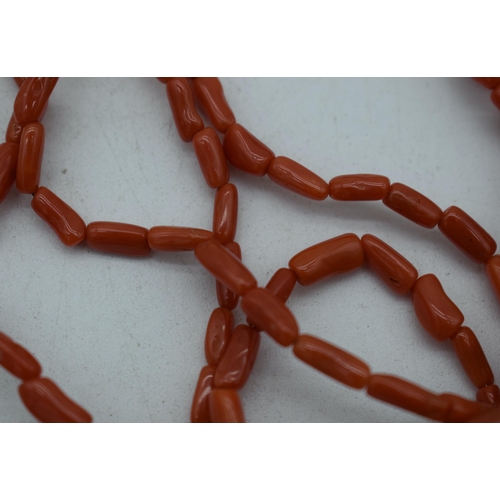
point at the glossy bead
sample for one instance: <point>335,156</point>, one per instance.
<point>14,131</point>
<point>467,235</point>
<point>282,283</point>
<point>225,267</point>
<point>187,119</point>
<point>17,360</point>
<point>332,361</point>
<point>461,409</point>
<point>9,153</point>
<point>439,316</point>
<point>29,163</point>
<point>213,164</point>
<point>218,334</point>
<point>270,314</point>
<point>32,99</point>
<point>297,178</point>
<point>200,411</point>
<point>118,238</point>
<point>408,396</point>
<point>391,266</point>
<point>328,258</point>
<point>495,96</point>
<point>64,221</point>
<point>210,93</point>
<point>245,151</point>
<point>488,82</point>
<point>412,205</point>
<point>492,268</point>
<point>46,402</point>
<point>359,187</point>
<point>225,213</point>
<point>236,364</point>
<point>471,356</point>
<point>19,80</point>
<point>489,395</point>
<point>225,296</point>
<point>176,239</point>
<point>225,407</point>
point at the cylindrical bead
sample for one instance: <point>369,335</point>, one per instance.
<point>245,151</point>
<point>461,409</point>
<point>282,283</point>
<point>64,221</point>
<point>9,153</point>
<point>489,395</point>
<point>30,158</point>
<point>225,266</point>
<point>226,297</point>
<point>492,268</point>
<point>236,364</point>
<point>270,314</point>
<point>225,407</point>
<point>488,82</point>
<point>471,356</point>
<point>32,99</point>
<point>495,96</point>
<point>413,205</point>
<point>213,164</point>
<point>467,235</point>
<point>439,316</point>
<point>118,238</point>
<point>297,178</point>
<point>186,118</point>
<point>408,396</point>
<point>210,93</point>
<point>17,360</point>
<point>488,417</point>
<point>359,187</point>
<point>225,213</point>
<point>328,258</point>
<point>176,239</point>
<point>218,334</point>
<point>46,402</point>
<point>200,411</point>
<point>390,265</point>
<point>332,361</point>
<point>14,131</point>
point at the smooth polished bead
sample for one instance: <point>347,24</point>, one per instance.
<point>218,334</point>
<point>492,268</point>
<point>46,402</point>
<point>118,238</point>
<point>236,364</point>
<point>19,80</point>
<point>14,131</point>
<point>467,235</point>
<point>328,258</point>
<point>64,221</point>
<point>495,96</point>
<point>17,360</point>
<point>186,118</point>
<point>270,314</point>
<point>176,239</point>
<point>225,296</point>
<point>29,164</point>
<point>413,205</point>
<point>297,178</point>
<point>245,151</point>
<point>461,409</point>
<point>488,82</point>
<point>210,93</point>
<point>32,99</point>
<point>408,396</point>
<point>391,266</point>
<point>282,283</point>
<point>225,407</point>
<point>439,316</point>
<point>471,356</point>
<point>489,395</point>
<point>225,267</point>
<point>200,411</point>
<point>210,155</point>
<point>225,213</point>
<point>359,187</point>
<point>332,361</point>
<point>9,153</point>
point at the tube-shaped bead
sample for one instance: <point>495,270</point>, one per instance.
<point>226,297</point>
<point>359,187</point>
<point>225,213</point>
<point>30,158</point>
<point>461,409</point>
<point>118,238</point>
<point>32,98</point>
<point>14,131</point>
<point>282,283</point>
<point>489,395</point>
<point>200,411</point>
<point>9,153</point>
<point>488,417</point>
<point>210,155</point>
<point>17,360</point>
<point>218,334</point>
<point>225,407</point>
<point>176,239</point>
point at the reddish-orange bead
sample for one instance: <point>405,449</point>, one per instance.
<point>282,283</point>
<point>461,409</point>
<point>332,361</point>
<point>14,131</point>
<point>391,266</point>
<point>467,235</point>
<point>439,316</point>
<point>359,187</point>
<point>492,268</point>
<point>29,163</point>
<point>245,151</point>
<point>489,395</point>
<point>176,239</point>
<point>46,402</point>
<point>488,82</point>
<point>218,334</point>
<point>328,258</point>
<point>32,99</point>
<point>213,164</point>
<point>413,205</point>
<point>9,153</point>
<point>225,407</point>
<point>119,238</point>
<point>226,297</point>
<point>17,360</point>
<point>19,80</point>
<point>225,213</point>
<point>495,96</point>
<point>488,417</point>
<point>200,411</point>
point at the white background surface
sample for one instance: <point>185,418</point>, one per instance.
<point>124,336</point>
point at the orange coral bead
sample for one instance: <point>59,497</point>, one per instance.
<point>32,99</point>
<point>461,409</point>
<point>9,153</point>
<point>359,187</point>
<point>489,395</point>
<point>225,407</point>
<point>225,296</point>
<point>176,239</point>
<point>118,238</point>
<point>282,283</point>
<point>218,334</point>
<point>200,411</point>
<point>30,158</point>
<point>17,360</point>
<point>488,417</point>
<point>213,164</point>
<point>14,131</point>
<point>225,213</point>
